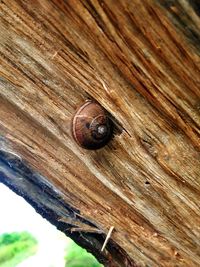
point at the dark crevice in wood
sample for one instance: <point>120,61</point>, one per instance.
<point>182,20</point>
<point>196,6</point>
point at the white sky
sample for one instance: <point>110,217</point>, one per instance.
<point>18,215</point>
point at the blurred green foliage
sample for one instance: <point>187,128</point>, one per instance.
<point>79,257</point>
<point>15,247</point>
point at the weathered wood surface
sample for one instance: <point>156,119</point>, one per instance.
<point>141,61</point>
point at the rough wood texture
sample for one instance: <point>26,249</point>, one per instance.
<point>140,61</point>
<point>49,202</point>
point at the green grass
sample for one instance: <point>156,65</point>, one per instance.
<point>79,257</point>
<point>15,247</point>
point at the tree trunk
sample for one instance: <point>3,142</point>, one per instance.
<point>140,61</point>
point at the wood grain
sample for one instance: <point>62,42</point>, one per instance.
<point>140,61</point>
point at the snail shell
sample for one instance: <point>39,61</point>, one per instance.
<point>91,127</point>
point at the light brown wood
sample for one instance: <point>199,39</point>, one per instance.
<point>140,61</point>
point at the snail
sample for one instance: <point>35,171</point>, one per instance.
<point>91,127</point>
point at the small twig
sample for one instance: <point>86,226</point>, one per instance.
<point>107,238</point>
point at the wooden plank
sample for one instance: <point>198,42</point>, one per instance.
<point>51,204</point>
<point>140,61</point>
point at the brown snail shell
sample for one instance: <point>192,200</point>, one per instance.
<point>91,127</point>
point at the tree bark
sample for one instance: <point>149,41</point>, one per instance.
<point>140,61</point>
